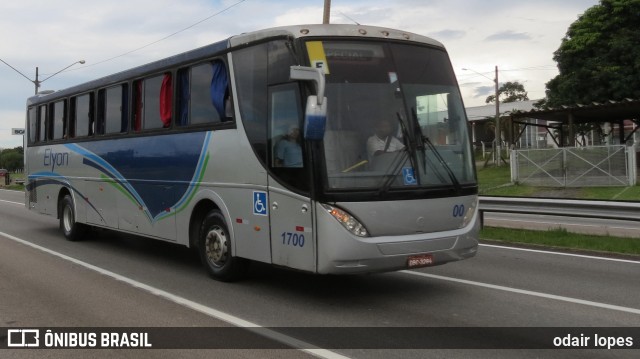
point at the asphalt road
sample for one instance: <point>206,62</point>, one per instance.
<point>119,280</point>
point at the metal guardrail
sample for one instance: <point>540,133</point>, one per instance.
<point>627,211</point>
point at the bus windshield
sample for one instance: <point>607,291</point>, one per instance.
<point>395,117</point>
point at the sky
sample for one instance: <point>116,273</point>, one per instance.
<point>114,35</point>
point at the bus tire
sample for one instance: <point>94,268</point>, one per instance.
<point>214,247</point>
<point>71,229</point>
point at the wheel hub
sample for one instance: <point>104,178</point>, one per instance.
<point>67,218</point>
<point>216,246</point>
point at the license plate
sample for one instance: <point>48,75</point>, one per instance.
<point>422,260</point>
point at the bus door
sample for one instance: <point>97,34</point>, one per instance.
<point>290,210</point>
<point>292,239</point>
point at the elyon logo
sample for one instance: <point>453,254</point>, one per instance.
<point>53,159</point>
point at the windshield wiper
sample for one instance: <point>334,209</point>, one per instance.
<point>452,176</point>
<point>425,140</point>
<point>411,145</point>
<point>408,150</point>
<point>392,175</point>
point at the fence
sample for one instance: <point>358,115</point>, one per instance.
<point>575,166</point>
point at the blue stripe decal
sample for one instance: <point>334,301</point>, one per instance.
<point>45,178</point>
<point>196,174</point>
<point>159,172</point>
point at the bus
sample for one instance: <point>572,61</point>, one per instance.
<point>330,149</point>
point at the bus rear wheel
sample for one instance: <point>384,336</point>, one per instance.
<point>71,229</point>
<point>214,246</point>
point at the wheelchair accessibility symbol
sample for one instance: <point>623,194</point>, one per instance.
<point>409,177</point>
<point>260,203</point>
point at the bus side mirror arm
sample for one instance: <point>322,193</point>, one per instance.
<point>315,117</point>
<point>316,75</point>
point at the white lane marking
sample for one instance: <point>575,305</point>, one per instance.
<point>562,254</point>
<point>527,292</point>
<point>231,319</point>
<point>12,202</point>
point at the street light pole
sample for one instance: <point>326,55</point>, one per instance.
<point>37,82</point>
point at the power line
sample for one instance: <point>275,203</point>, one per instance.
<point>164,38</point>
<point>531,68</point>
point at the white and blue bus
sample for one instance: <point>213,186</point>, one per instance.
<point>323,148</point>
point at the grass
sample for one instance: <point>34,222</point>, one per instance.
<point>561,238</point>
<point>496,181</point>
<point>16,187</point>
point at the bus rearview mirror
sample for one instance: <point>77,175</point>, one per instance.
<point>315,118</point>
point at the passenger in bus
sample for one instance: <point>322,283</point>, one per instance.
<point>383,140</point>
<point>288,150</point>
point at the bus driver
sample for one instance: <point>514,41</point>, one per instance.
<point>383,141</point>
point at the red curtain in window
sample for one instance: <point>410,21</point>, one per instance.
<point>166,92</point>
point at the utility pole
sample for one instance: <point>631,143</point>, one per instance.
<point>36,81</point>
<point>498,135</point>
<point>327,11</point>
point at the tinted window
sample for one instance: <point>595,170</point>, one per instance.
<point>42,123</point>
<point>155,107</point>
<point>203,94</point>
<point>201,109</point>
<point>285,140</point>
<point>32,120</point>
<point>115,116</point>
<point>251,78</point>
<point>59,120</point>
<point>83,114</point>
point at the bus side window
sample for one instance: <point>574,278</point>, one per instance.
<point>137,105</point>
<point>287,160</point>
<point>115,114</point>
<point>42,123</point>
<point>220,90</point>
<point>203,94</point>
<point>284,115</point>
<point>250,66</point>
<point>152,100</point>
<point>32,121</point>
<point>201,83</point>
<point>82,115</point>
<point>59,120</point>
<point>98,128</point>
<point>183,94</point>
<point>166,100</point>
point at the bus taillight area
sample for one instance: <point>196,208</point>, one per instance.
<point>426,243</point>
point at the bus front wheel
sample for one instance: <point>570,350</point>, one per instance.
<point>71,229</point>
<point>214,246</point>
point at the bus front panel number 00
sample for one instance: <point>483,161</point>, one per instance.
<point>458,210</point>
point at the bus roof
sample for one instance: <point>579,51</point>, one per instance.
<point>357,31</point>
<point>296,31</point>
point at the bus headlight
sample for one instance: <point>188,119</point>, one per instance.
<point>471,211</point>
<point>347,221</point>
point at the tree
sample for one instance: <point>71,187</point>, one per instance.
<point>12,159</point>
<point>509,92</point>
<point>599,57</point>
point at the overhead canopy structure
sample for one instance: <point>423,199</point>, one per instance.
<point>567,116</point>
